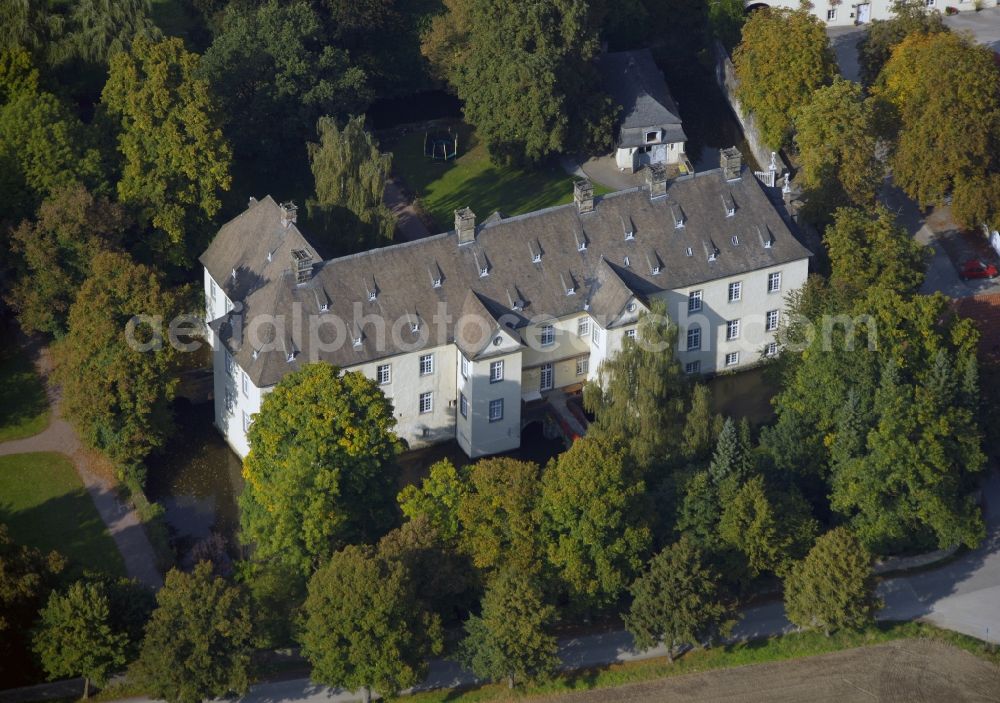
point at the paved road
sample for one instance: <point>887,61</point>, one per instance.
<point>122,522</point>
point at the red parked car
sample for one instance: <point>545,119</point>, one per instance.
<point>976,268</point>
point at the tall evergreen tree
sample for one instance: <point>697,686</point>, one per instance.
<point>509,641</point>
<point>702,427</point>
<point>733,459</point>
<point>350,174</point>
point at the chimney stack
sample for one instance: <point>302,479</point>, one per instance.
<point>302,265</point>
<point>731,162</point>
<point>656,179</point>
<point>583,195</point>
<point>289,211</point>
<point>465,225</point>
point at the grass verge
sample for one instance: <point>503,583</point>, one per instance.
<point>792,646</point>
<point>24,407</point>
<point>473,180</point>
<point>46,506</point>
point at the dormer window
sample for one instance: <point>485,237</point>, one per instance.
<point>415,327</point>
<point>536,258</point>
<point>767,243</point>
<point>689,252</point>
<point>234,274</point>
<point>655,270</point>
<point>484,271</point>
<point>729,204</point>
<point>652,136</point>
<point>571,291</point>
<point>536,252</point>
<point>357,341</point>
<point>736,240</point>
<point>324,307</point>
<point>372,295</point>
<point>436,282</point>
<point>628,228</point>
<point>678,216</point>
<point>582,245</point>
<point>627,262</point>
<point>713,255</point>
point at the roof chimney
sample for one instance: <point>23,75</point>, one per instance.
<point>302,264</point>
<point>465,225</point>
<point>288,213</point>
<point>656,179</point>
<point>731,162</point>
<point>583,195</point>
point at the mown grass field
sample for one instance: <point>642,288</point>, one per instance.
<point>24,408</point>
<point>472,180</point>
<point>45,505</point>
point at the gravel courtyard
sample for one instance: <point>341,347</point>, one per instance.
<point>909,670</point>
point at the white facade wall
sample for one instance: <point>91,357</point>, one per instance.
<point>237,400</point>
<point>216,304</point>
<point>630,159</point>
<point>848,14</point>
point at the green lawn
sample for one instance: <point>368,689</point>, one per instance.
<point>45,505</point>
<point>472,180</point>
<point>24,408</point>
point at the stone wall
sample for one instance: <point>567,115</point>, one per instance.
<point>725,76</point>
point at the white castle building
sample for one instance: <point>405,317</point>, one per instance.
<point>841,13</point>
<point>462,329</point>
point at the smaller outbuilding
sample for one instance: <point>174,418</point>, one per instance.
<point>649,124</point>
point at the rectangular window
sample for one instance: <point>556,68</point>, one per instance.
<point>582,366</point>
<point>735,291</point>
<point>694,338</point>
<point>496,410</point>
<point>583,326</point>
<point>774,282</point>
<point>426,402</point>
<point>692,367</point>
<point>463,405</point>
<point>771,349</point>
<point>246,421</point>
<point>630,334</point>
<point>595,336</point>
<point>694,301</point>
<point>772,321</point>
<point>732,358</point>
<point>245,383</point>
<point>831,15</point>
<point>496,371</point>
<point>732,330</point>
<point>465,367</point>
<point>426,364</point>
<point>211,290</point>
<point>545,381</point>
<point>653,136</point>
<point>384,374</point>
<point>548,336</point>
<point>230,364</point>
<point>230,400</point>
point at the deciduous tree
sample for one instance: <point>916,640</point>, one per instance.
<point>509,641</point>
<point>833,587</point>
<point>176,160</point>
<point>783,58</point>
<point>319,469</point>
<point>117,373</point>
<point>97,29</point>
<point>944,92</point>
<point>437,499</point>
<point>871,250</point>
<point>364,629</point>
<point>836,140</point>
<point>882,36</point>
<point>592,505</point>
<point>526,76</point>
<point>75,636</point>
<point>198,641</point>
<point>55,251</point>
<point>501,517</point>
<point>641,393</point>
<point>350,173</point>
<point>676,601</point>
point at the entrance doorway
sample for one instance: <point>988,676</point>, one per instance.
<point>864,13</point>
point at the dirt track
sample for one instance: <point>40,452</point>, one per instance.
<point>908,670</point>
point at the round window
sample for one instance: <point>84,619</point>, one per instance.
<point>497,341</point>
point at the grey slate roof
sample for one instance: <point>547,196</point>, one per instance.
<point>635,82</point>
<point>604,276</point>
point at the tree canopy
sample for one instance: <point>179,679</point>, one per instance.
<point>833,587</point>
<point>593,510</point>
<point>350,173</point>
<point>676,601</point>
<point>318,474</point>
<point>364,628</point>
<point>75,636</point>
<point>525,74</point>
<point>509,640</point>
<point>932,85</point>
<point>882,36</point>
<point>437,499</point>
<point>198,641</point>
<point>118,393</point>
<point>783,58</point>
<point>176,160</point>
<point>835,136</point>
